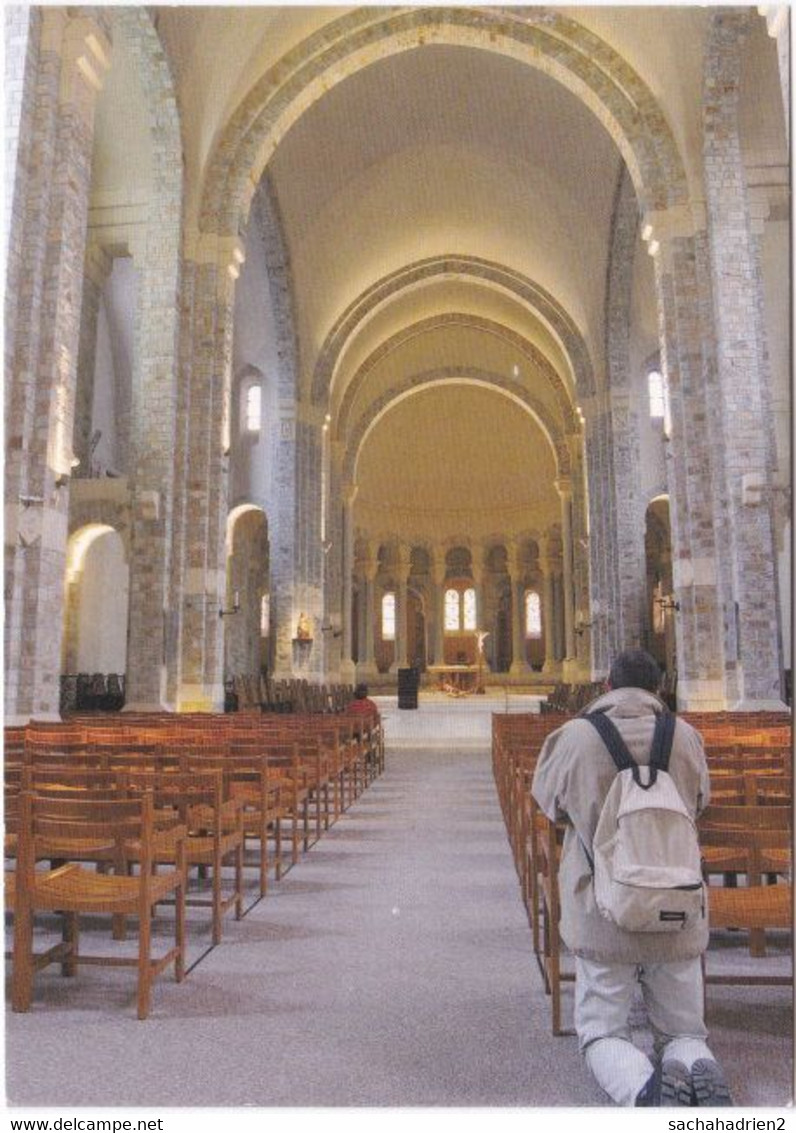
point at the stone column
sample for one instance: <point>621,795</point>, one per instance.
<point>216,267</point>
<point>519,663</point>
<point>564,489</point>
<point>370,568</point>
<point>753,672</point>
<point>678,245</point>
<point>43,293</point>
<point>347,666</point>
<point>402,570</point>
<point>546,565</point>
<point>478,569</point>
<point>438,573</point>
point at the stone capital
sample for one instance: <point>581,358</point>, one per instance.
<point>563,485</point>
<point>660,226</point>
<point>99,262</point>
<point>227,253</point>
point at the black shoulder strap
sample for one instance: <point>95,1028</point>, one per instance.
<point>609,734</point>
<point>620,753</point>
<point>662,740</point>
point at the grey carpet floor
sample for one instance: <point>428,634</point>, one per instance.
<point>391,967</point>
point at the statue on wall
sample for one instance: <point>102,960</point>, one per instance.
<point>303,628</point>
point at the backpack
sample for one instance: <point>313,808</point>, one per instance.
<point>647,864</point>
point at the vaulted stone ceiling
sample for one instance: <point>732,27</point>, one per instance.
<point>436,151</point>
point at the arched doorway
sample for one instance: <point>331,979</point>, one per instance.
<point>247,611</point>
<point>96,603</point>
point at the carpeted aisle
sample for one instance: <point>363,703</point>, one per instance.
<point>391,967</point>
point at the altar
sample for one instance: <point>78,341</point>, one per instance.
<point>462,677</point>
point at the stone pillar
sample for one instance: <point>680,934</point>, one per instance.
<point>546,564</point>
<point>43,292</point>
<point>347,666</point>
<point>402,570</point>
<point>370,568</point>
<point>678,244</point>
<point>480,604</point>
<point>438,573</point>
<point>519,662</point>
<point>617,502</point>
<point>564,489</point>
<point>216,267</point>
<point>753,675</point>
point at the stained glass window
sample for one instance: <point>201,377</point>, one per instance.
<point>533,614</point>
<point>388,617</point>
<point>265,615</point>
<point>468,602</point>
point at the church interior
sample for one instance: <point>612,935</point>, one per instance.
<point>444,350</point>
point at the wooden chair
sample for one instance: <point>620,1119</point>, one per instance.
<point>751,833</point>
<point>246,781</point>
<point>74,889</point>
<point>547,845</point>
<point>214,832</point>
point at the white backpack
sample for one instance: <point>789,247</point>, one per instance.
<point>647,863</point>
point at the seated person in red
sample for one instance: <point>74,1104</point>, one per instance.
<point>362,703</point>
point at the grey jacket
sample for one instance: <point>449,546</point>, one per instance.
<point>573,775</point>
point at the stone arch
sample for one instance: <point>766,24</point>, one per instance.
<point>455,319</point>
<point>415,383</point>
<point>548,40</point>
<point>544,305</point>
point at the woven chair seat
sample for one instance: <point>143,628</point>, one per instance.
<point>766,906</point>
<point>91,892</point>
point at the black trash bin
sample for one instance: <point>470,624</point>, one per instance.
<point>408,685</point>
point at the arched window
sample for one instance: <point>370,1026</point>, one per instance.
<point>265,615</point>
<point>460,610</point>
<point>468,608</point>
<point>252,406</point>
<point>533,614</point>
<point>659,399</point>
<point>451,610</point>
<point>388,617</point>
<point>655,384</point>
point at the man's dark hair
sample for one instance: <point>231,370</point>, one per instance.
<point>360,692</point>
<point>634,668</point>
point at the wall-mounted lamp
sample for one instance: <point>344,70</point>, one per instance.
<point>329,627</point>
<point>235,606</point>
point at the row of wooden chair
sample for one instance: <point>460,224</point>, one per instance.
<point>262,692</point>
<point>211,786</point>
